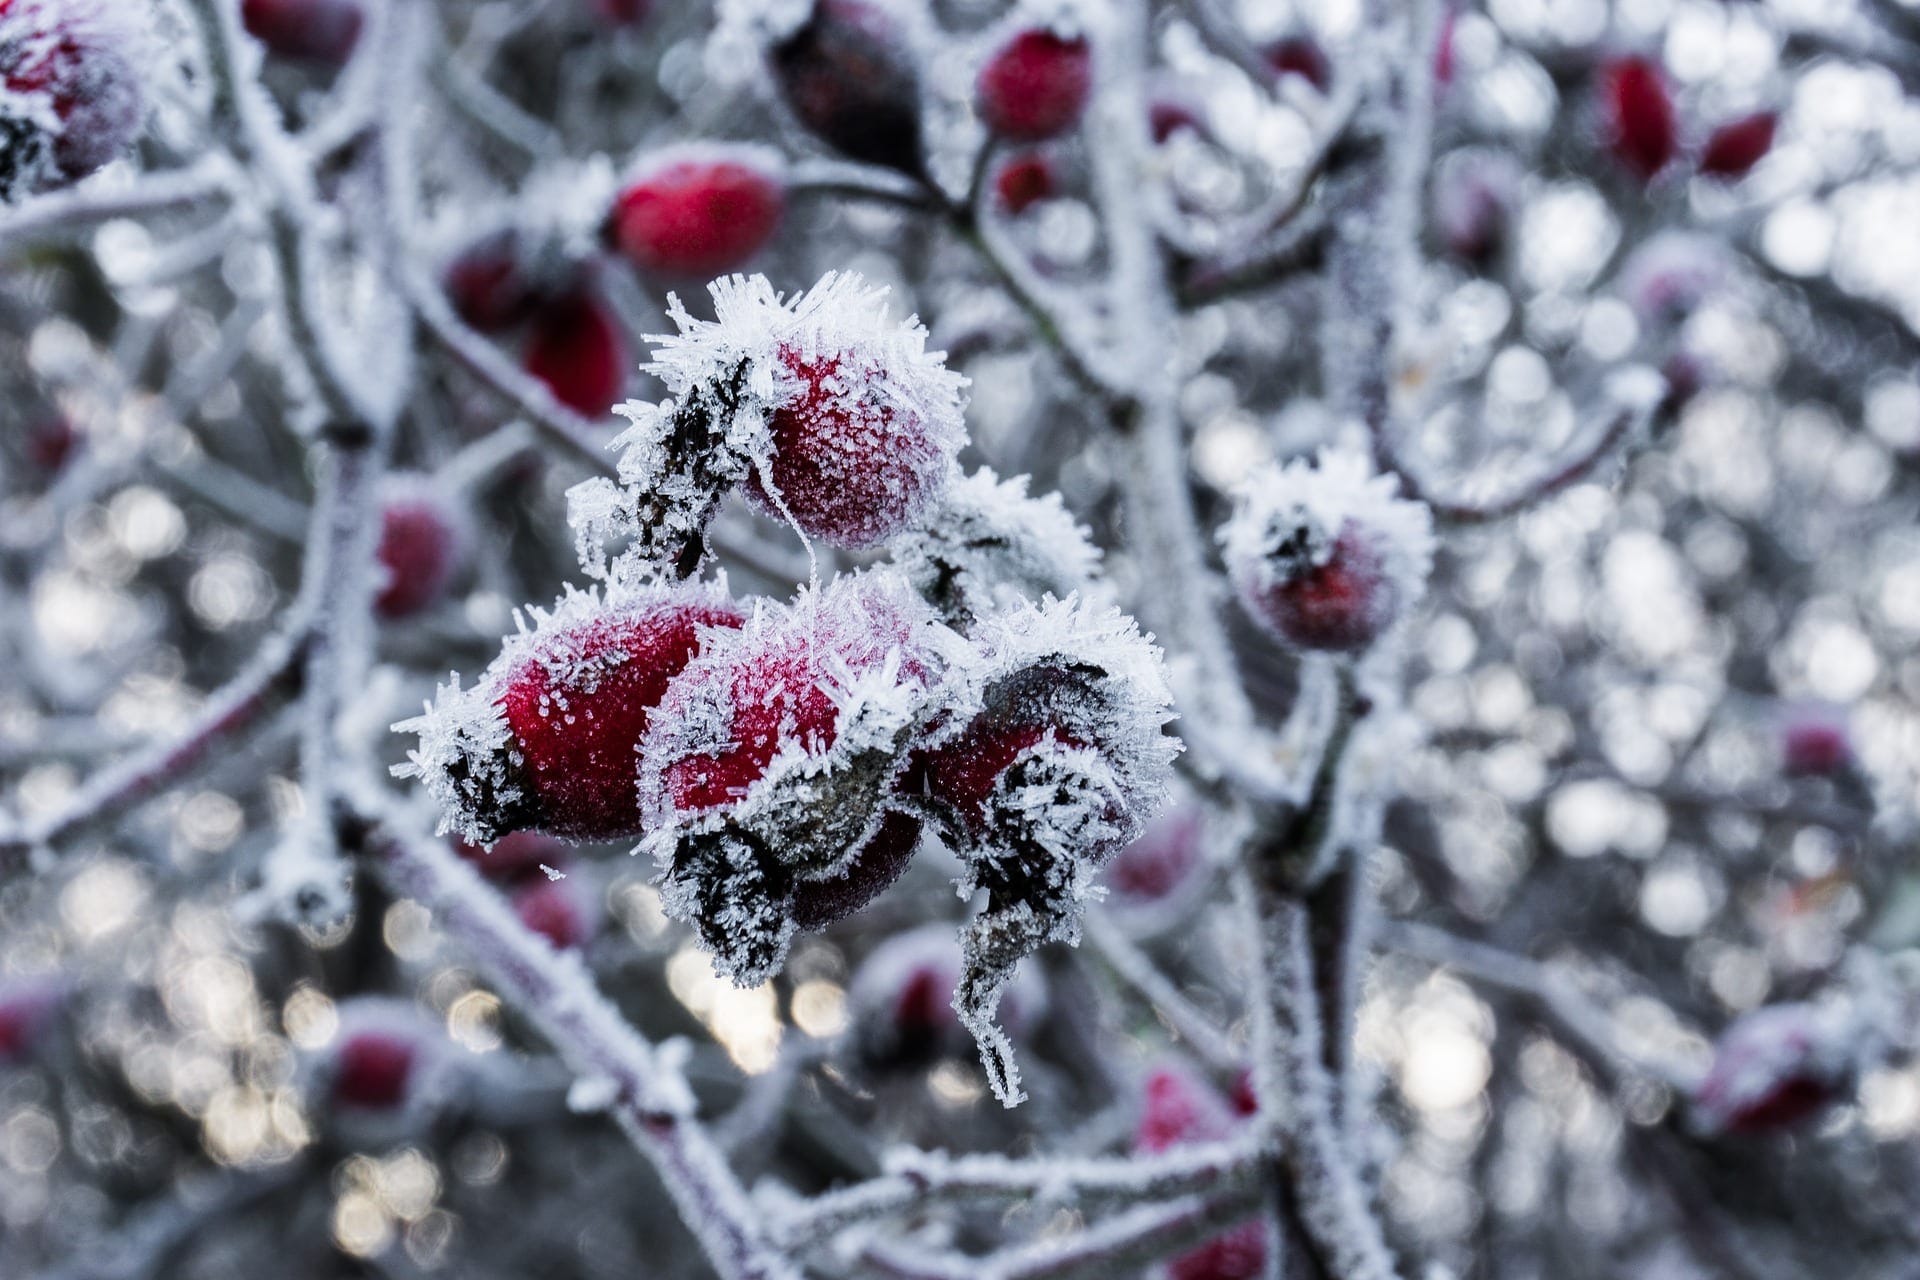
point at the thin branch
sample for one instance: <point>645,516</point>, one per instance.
<point>65,214</point>
<point>1134,967</point>
<point>646,1093</point>
<point>1624,423</point>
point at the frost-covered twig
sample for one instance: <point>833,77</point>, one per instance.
<point>1621,425</point>
<point>1137,1238</point>
<point>275,669</point>
<point>63,215</point>
<point>1581,1025</point>
<point>918,1178</point>
<point>640,1085</point>
<point>1135,968</point>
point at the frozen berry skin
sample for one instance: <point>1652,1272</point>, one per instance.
<point>372,1070</point>
<point>1735,147</point>
<point>1341,606</point>
<point>1773,1070</point>
<point>322,32</point>
<point>1036,86</point>
<point>1642,131</point>
<point>422,547</point>
<point>697,216</point>
<point>515,857</point>
<point>556,910</point>
<point>578,707</point>
<point>1024,181</point>
<point>578,350</point>
<point>848,466</point>
<point>1300,56</point>
<point>848,75</point>
<point>78,61</point>
<point>489,285</point>
<point>880,862</point>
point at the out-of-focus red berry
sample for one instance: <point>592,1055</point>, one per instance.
<point>317,31</point>
<point>1773,1069</point>
<point>372,1070</point>
<point>1641,128</point>
<point>28,1007</point>
<point>51,441</point>
<point>556,910</point>
<point>1300,55</point>
<point>1162,861</point>
<point>849,76</point>
<point>577,349</point>
<point>1180,1108</point>
<point>84,75</point>
<point>422,547</point>
<point>1342,606</point>
<point>1815,744</point>
<point>697,216</point>
<point>516,856</point>
<point>489,285</point>
<point>1025,180</point>
<point>1036,86</point>
<point>1736,146</point>
<point>622,13</point>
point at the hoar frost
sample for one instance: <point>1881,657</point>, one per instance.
<point>832,416</point>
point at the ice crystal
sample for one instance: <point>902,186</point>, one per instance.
<point>989,545</point>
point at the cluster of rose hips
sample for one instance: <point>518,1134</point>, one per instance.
<point>781,760</point>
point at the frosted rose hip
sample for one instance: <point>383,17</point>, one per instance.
<point>318,31</point>
<point>1638,116</point>
<point>1036,85</point>
<point>547,738</point>
<point>1324,556</point>
<point>577,349</point>
<point>698,213</point>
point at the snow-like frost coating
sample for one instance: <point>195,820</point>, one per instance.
<point>989,545</point>
<point>70,88</point>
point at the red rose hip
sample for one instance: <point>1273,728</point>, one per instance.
<point>423,544</point>
<point>850,78</point>
<point>1735,147</point>
<point>1036,86</point>
<point>372,1069</point>
<point>323,32</point>
<point>698,213</point>
<point>578,350</point>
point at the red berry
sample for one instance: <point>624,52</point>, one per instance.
<point>622,13</point>
<point>372,1069</point>
<point>1238,1254</point>
<point>1180,1108</point>
<point>555,910</point>
<point>774,687</point>
<point>1815,743</point>
<point>1244,1099</point>
<point>849,76</point>
<point>1773,1069</point>
<point>489,285</point>
<point>691,215</point>
<point>516,856</point>
<point>318,31</point>
<point>79,61</point>
<point>902,996</point>
<point>1036,86</point>
<point>578,350</point>
<point>1735,147</point>
<point>1162,861</point>
<point>578,705</point>
<point>1025,180</point>
<point>1641,129</point>
<point>422,546</point>
<point>51,441</point>
<point>851,465</point>
<point>1474,196</point>
<point>1300,56</point>
<point>27,1008</point>
<point>880,862</point>
<point>1341,606</point>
